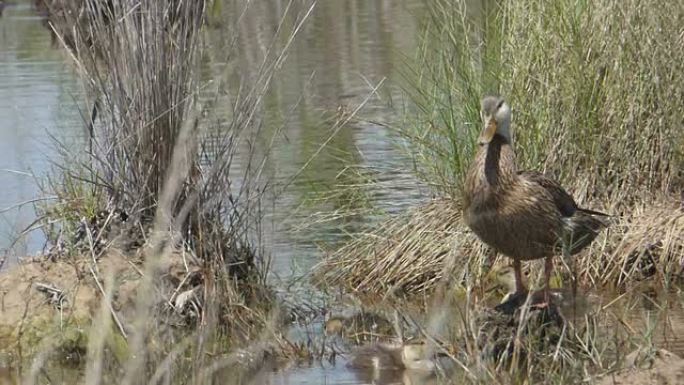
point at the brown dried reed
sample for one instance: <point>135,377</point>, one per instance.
<point>411,253</point>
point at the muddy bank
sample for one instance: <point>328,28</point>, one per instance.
<point>48,305</point>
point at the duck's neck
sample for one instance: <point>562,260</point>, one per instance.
<point>499,165</point>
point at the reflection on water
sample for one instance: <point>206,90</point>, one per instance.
<point>37,92</point>
<point>657,317</point>
<point>343,50</point>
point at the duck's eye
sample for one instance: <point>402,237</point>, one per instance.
<point>500,104</point>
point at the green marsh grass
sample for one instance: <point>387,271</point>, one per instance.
<point>594,88</point>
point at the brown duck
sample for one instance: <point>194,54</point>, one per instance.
<point>522,214</point>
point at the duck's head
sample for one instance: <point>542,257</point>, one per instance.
<point>496,116</point>
<point>333,326</point>
<point>418,355</point>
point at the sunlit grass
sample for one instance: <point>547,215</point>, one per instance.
<point>594,88</point>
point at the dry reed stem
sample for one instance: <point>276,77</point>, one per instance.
<point>405,254</point>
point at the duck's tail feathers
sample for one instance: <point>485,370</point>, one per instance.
<point>592,212</point>
<point>580,231</point>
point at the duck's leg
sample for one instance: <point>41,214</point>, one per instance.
<point>548,268</point>
<point>519,286</point>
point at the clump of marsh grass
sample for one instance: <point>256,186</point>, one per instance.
<point>405,255</point>
<point>147,139</point>
<point>411,253</point>
<point>647,243</point>
<point>164,157</point>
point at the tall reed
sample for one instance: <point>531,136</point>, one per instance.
<point>159,152</point>
<point>594,88</point>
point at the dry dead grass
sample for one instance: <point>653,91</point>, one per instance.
<point>648,241</point>
<point>406,254</point>
<point>411,253</point>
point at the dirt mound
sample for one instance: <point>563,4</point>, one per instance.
<point>658,367</point>
<point>40,298</point>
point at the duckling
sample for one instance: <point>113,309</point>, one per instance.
<point>363,325</point>
<point>409,356</point>
<point>504,277</point>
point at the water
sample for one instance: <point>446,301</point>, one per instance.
<point>344,50</point>
<point>37,91</point>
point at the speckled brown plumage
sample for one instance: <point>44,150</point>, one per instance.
<point>523,215</point>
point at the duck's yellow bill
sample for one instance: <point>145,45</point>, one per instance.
<point>488,133</point>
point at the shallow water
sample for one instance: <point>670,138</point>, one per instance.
<point>37,91</point>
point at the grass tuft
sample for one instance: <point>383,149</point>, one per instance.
<point>171,186</point>
<point>594,89</point>
<point>413,253</point>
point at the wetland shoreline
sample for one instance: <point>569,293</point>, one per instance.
<point>177,291</point>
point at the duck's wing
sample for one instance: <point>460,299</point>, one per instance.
<point>563,201</point>
<point>579,226</point>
